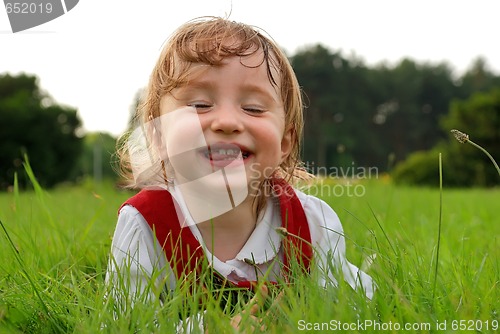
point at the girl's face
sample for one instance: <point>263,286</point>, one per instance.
<point>228,119</point>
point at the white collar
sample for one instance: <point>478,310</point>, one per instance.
<point>264,242</point>
<point>261,247</point>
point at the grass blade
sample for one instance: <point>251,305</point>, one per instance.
<point>20,261</point>
<point>383,231</point>
<point>439,226</point>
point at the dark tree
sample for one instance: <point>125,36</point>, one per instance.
<point>337,105</point>
<point>463,164</point>
<point>377,116</point>
<point>32,123</point>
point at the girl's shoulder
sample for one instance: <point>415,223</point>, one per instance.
<point>319,213</point>
<point>313,203</point>
<point>130,221</point>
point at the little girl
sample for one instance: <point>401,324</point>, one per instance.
<point>215,154</point>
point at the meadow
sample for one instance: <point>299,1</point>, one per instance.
<point>55,245</point>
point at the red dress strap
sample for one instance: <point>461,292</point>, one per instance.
<point>181,248</point>
<point>184,252</point>
<point>297,240</point>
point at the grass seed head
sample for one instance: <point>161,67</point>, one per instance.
<point>460,136</point>
<point>282,231</point>
<point>464,138</point>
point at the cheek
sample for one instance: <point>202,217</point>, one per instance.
<point>181,131</point>
<point>269,139</point>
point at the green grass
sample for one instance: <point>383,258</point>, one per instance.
<point>52,280</point>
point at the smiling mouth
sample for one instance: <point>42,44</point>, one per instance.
<point>221,155</point>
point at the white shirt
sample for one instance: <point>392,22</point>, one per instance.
<point>136,255</point>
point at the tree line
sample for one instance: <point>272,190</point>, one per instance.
<point>377,116</point>
<point>356,115</point>
<point>35,129</point>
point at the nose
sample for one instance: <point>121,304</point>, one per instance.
<point>227,120</point>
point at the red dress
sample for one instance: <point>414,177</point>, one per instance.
<point>185,254</point>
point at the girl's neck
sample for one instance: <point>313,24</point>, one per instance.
<point>225,235</point>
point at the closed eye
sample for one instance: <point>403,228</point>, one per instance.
<point>254,110</point>
<point>200,106</point>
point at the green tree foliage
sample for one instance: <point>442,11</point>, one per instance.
<point>32,123</point>
<point>377,116</point>
<point>479,117</point>
<point>464,165</point>
<point>98,158</point>
<point>334,111</point>
<point>420,94</point>
<point>366,115</point>
<point>478,79</point>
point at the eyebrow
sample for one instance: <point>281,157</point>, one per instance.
<point>259,90</point>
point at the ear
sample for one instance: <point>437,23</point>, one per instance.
<point>286,143</point>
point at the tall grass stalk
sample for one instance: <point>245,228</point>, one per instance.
<point>23,269</point>
<point>440,220</point>
<point>37,290</point>
<point>464,138</point>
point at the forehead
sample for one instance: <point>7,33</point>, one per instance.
<point>258,61</point>
<point>248,76</point>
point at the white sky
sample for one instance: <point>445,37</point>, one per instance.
<point>99,54</point>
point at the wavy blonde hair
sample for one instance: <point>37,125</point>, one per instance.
<point>209,40</point>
